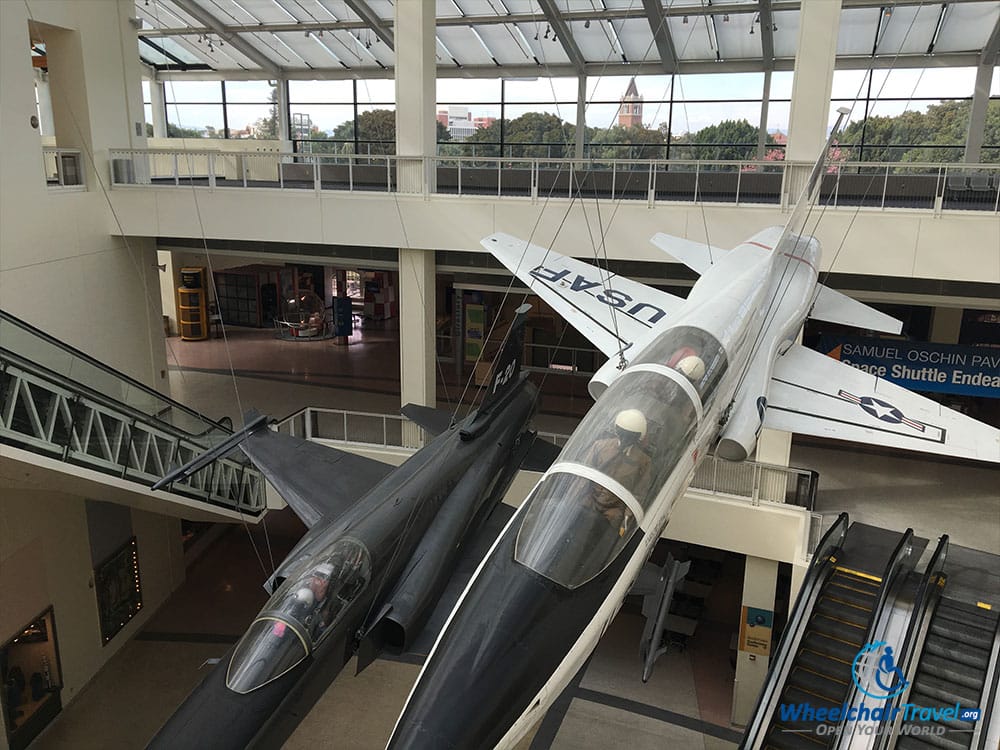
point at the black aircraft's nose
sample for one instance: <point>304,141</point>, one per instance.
<point>512,631</point>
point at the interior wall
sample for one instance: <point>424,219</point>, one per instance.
<point>45,558</point>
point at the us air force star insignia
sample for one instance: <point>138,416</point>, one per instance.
<point>882,410</point>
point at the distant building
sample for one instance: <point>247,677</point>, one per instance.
<point>460,123</point>
<point>630,111</point>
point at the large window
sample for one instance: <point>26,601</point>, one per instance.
<point>221,109</point>
<point>343,117</point>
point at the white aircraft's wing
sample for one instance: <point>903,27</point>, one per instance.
<point>695,255</point>
<point>813,394</point>
<point>834,307</point>
<point>610,310</point>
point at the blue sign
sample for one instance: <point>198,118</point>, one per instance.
<point>919,366</point>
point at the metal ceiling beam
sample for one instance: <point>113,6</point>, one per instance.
<point>193,9</point>
<point>555,20</point>
<point>956,60</point>
<point>767,34</point>
<point>611,14</point>
<point>661,35</point>
<point>992,46</point>
<point>372,21</point>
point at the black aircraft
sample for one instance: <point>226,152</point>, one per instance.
<point>382,546</point>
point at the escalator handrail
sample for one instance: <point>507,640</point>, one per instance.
<point>988,699</point>
<point>823,558</point>
<point>81,389</point>
<point>911,647</point>
<point>902,551</point>
<point>4,315</point>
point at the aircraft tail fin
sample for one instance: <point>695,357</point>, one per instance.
<point>433,421</point>
<point>695,255</point>
<point>834,307</point>
<point>507,366</point>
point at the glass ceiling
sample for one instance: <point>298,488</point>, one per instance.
<point>490,38</point>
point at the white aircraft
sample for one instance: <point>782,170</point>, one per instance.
<point>682,376</point>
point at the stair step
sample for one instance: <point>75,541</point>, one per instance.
<point>819,685</point>
<point>970,656</point>
<point>824,644</point>
<point>962,633</point>
<point>843,612</point>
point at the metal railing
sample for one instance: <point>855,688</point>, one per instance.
<point>746,480</point>
<point>63,167</point>
<point>58,402</point>
<point>934,186</point>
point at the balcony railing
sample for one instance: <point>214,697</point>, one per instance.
<point>63,167</point>
<point>876,185</point>
<point>747,480</point>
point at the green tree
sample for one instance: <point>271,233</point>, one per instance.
<point>617,142</point>
<point>173,131</point>
<point>727,140</point>
<point>267,127</point>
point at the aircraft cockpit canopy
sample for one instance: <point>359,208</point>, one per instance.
<point>694,353</point>
<point>299,615</point>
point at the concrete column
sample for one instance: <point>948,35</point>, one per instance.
<point>581,116</point>
<point>774,447</point>
<point>811,87</point>
<point>416,329</point>
<point>813,81</point>
<point>977,115</point>
<point>416,70</point>
<point>798,576</point>
<point>762,129</point>
<point>946,325</point>
<point>46,125</point>
<point>754,646</point>
<point>158,104</point>
<point>284,127</point>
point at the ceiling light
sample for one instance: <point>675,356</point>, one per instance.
<point>751,31</point>
<point>546,35</point>
<point>725,18</point>
<point>586,24</point>
<point>685,19</point>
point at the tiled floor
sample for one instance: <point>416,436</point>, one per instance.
<point>685,704</point>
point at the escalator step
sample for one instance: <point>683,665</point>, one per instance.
<point>838,590</point>
<point>842,631</point>
<point>793,694</point>
<point>959,606</point>
<point>785,740</point>
<point>849,579</point>
<point>947,741</point>
<point>824,644</point>
<point>969,619</point>
<point>824,665</point>
<point>961,633</point>
<point>924,700</point>
<point>944,668</point>
<point>832,690</point>
<point>844,612</point>
<point>958,652</point>
<point>948,692</point>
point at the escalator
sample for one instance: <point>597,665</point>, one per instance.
<point>958,659</point>
<point>841,599</point>
<point>821,672</point>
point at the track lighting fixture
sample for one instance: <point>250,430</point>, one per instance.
<point>536,36</point>
<point>685,19</point>
<point>751,31</point>
<point>586,24</point>
<point>774,27</point>
<point>546,35</point>
<point>725,18</point>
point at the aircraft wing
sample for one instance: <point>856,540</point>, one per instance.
<point>610,310</point>
<point>317,481</point>
<point>813,394</point>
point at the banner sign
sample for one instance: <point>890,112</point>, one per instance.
<point>920,366</point>
<point>755,630</point>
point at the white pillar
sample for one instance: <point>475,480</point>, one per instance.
<point>754,647</point>
<point>813,81</point>
<point>977,115</point>
<point>416,70</point>
<point>581,115</point>
<point>159,107</point>
<point>45,123</point>
<point>774,447</point>
<point>284,127</point>
<point>946,325</point>
<point>416,329</point>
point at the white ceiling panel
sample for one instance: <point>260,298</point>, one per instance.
<point>908,30</point>
<point>967,27</point>
<point>463,45</point>
<point>786,38</point>
<point>694,40</point>
<point>857,31</point>
<point>637,39</point>
<point>506,45</point>
<point>735,40</point>
<point>596,43</point>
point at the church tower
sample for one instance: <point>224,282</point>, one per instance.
<point>630,111</point>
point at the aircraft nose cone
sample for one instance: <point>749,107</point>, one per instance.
<point>511,632</point>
